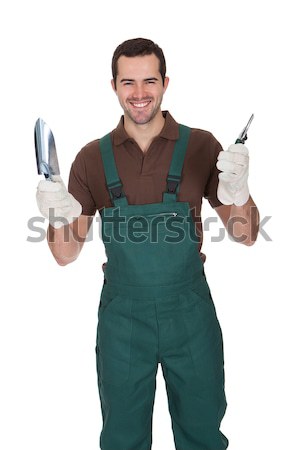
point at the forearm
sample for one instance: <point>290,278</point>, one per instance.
<point>64,244</point>
<point>243,222</point>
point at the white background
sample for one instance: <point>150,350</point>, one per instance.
<point>226,60</point>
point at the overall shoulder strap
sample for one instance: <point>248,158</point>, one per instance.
<point>113,181</point>
<point>174,175</point>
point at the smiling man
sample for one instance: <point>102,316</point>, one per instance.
<point>155,306</point>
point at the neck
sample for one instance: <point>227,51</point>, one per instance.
<point>145,133</point>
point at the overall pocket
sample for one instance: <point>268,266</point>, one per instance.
<point>114,340</point>
<point>204,335</point>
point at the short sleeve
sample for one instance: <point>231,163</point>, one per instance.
<point>78,185</point>
<point>210,192</point>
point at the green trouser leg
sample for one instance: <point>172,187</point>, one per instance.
<point>126,389</point>
<point>178,328</point>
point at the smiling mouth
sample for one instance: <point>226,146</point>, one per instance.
<point>140,105</point>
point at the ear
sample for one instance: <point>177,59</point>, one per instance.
<point>166,83</point>
<point>113,86</point>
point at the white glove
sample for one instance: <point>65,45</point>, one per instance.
<point>233,179</point>
<point>56,203</point>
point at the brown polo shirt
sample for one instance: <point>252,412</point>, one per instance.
<point>143,175</point>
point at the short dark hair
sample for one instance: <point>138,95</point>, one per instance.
<point>138,47</point>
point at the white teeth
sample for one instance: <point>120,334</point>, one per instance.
<point>140,105</point>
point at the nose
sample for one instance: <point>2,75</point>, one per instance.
<point>139,91</point>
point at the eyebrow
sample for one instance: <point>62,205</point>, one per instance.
<point>146,79</point>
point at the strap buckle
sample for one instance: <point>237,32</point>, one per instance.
<point>116,192</point>
<point>172,186</point>
<point>172,183</point>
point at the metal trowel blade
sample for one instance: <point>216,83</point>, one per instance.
<point>45,150</point>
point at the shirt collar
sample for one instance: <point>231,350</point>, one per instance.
<point>170,130</point>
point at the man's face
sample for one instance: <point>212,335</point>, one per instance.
<point>139,87</point>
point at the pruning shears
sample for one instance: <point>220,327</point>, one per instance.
<point>243,135</point>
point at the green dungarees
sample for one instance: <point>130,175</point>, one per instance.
<point>156,307</point>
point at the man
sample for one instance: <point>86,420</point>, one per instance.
<point>147,178</point>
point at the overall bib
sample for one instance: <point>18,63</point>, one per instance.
<point>156,307</point>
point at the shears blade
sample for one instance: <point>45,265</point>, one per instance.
<point>243,135</point>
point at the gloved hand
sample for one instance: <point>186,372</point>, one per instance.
<point>233,179</point>
<point>56,203</point>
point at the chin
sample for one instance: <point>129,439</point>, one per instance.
<point>145,118</point>
<point>141,120</point>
